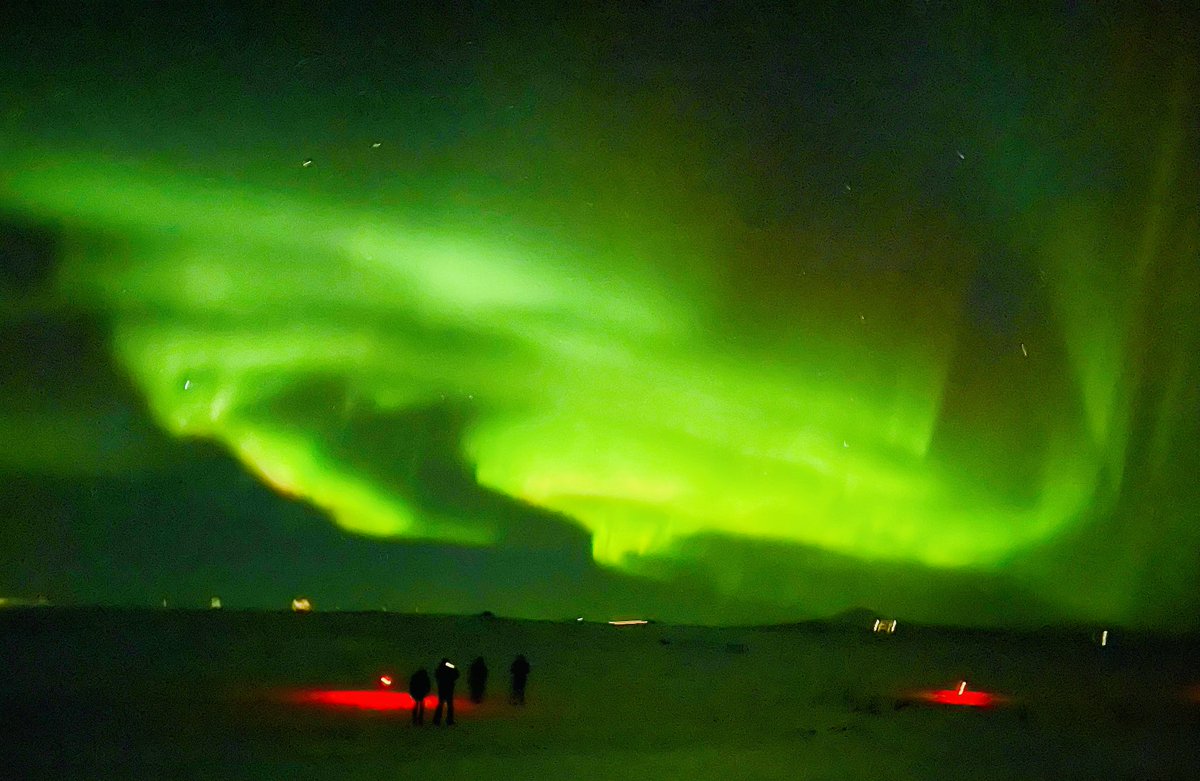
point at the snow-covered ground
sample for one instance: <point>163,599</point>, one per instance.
<point>175,694</point>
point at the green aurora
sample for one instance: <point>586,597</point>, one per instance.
<point>974,375</point>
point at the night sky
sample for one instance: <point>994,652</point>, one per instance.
<point>681,310</point>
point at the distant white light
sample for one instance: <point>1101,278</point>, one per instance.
<point>1023,350</point>
<point>1104,638</point>
<point>962,687</point>
<point>961,156</point>
<point>301,605</point>
<point>376,145</point>
<point>450,665</point>
<point>215,603</point>
<point>187,384</point>
<point>386,680</point>
<point>579,619</point>
<point>307,163</point>
<point>629,622</point>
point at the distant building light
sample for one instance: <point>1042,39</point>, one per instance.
<point>884,626</point>
<point>301,605</point>
<point>215,603</point>
<point>629,622</point>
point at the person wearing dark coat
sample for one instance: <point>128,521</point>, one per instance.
<point>418,689</point>
<point>477,675</point>
<point>520,672</point>
<point>445,675</point>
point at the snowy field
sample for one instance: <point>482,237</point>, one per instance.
<point>216,695</point>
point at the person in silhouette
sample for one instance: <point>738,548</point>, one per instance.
<point>445,674</point>
<point>418,689</point>
<point>520,673</point>
<point>477,679</point>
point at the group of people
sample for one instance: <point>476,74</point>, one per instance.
<point>446,675</point>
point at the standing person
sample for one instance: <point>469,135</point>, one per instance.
<point>520,672</point>
<point>477,675</point>
<point>418,689</point>
<point>445,674</point>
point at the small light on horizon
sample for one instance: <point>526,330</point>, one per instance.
<point>629,622</point>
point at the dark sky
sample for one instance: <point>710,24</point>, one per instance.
<point>703,312</point>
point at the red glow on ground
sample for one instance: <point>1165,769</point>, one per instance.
<point>971,699</point>
<point>373,699</point>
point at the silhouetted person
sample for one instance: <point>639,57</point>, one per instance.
<point>477,679</point>
<point>418,689</point>
<point>520,672</point>
<point>445,674</point>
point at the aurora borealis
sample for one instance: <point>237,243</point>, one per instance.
<point>767,307</point>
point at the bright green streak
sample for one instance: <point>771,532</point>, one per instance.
<point>597,396</point>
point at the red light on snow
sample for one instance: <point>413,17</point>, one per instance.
<point>362,700</point>
<point>956,697</point>
<point>959,695</point>
<point>372,700</point>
